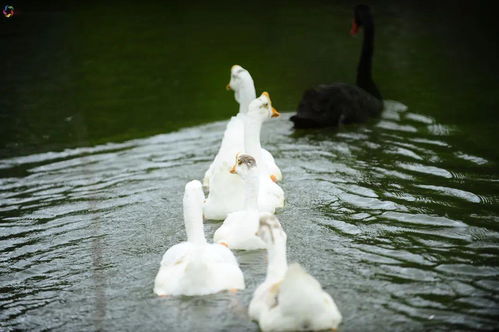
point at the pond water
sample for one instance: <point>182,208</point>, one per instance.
<point>397,218</point>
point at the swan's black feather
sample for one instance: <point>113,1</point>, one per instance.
<point>335,104</point>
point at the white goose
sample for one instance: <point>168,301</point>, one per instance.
<point>233,141</point>
<point>196,267</point>
<point>226,190</point>
<point>239,228</point>
<point>289,299</point>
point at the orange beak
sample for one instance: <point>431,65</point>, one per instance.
<point>273,178</point>
<point>227,87</point>
<point>233,169</point>
<point>225,244</point>
<point>275,114</point>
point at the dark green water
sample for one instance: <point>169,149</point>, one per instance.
<point>397,218</point>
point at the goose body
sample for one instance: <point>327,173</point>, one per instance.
<point>233,140</point>
<point>339,103</point>
<point>289,299</point>
<point>195,267</point>
<point>238,230</point>
<point>227,190</point>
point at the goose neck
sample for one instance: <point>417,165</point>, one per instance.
<point>247,94</point>
<point>277,264</point>
<point>193,219</point>
<point>251,190</point>
<point>252,129</point>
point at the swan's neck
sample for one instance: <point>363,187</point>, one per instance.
<point>252,128</point>
<point>251,189</point>
<point>193,219</point>
<point>247,94</point>
<point>364,69</point>
<point>277,265</point>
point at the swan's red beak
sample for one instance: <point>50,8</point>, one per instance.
<point>355,28</point>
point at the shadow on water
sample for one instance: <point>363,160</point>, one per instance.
<point>397,218</point>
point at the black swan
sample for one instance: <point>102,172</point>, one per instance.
<point>340,103</point>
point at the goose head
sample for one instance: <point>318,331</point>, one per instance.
<point>245,164</point>
<point>193,194</point>
<point>270,230</point>
<point>362,17</point>
<point>261,108</point>
<point>242,84</point>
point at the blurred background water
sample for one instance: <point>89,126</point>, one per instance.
<point>397,218</point>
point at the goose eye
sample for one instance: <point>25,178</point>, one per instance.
<point>266,105</point>
<point>239,162</point>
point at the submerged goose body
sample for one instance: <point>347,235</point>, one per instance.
<point>339,103</point>
<point>289,299</point>
<point>227,190</point>
<point>233,140</point>
<point>196,267</point>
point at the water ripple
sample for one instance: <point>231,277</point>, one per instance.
<point>379,214</point>
<point>419,168</point>
<point>465,195</point>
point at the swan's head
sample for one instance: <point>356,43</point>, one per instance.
<point>244,164</point>
<point>239,78</point>
<point>270,229</point>
<point>362,16</point>
<point>262,108</point>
